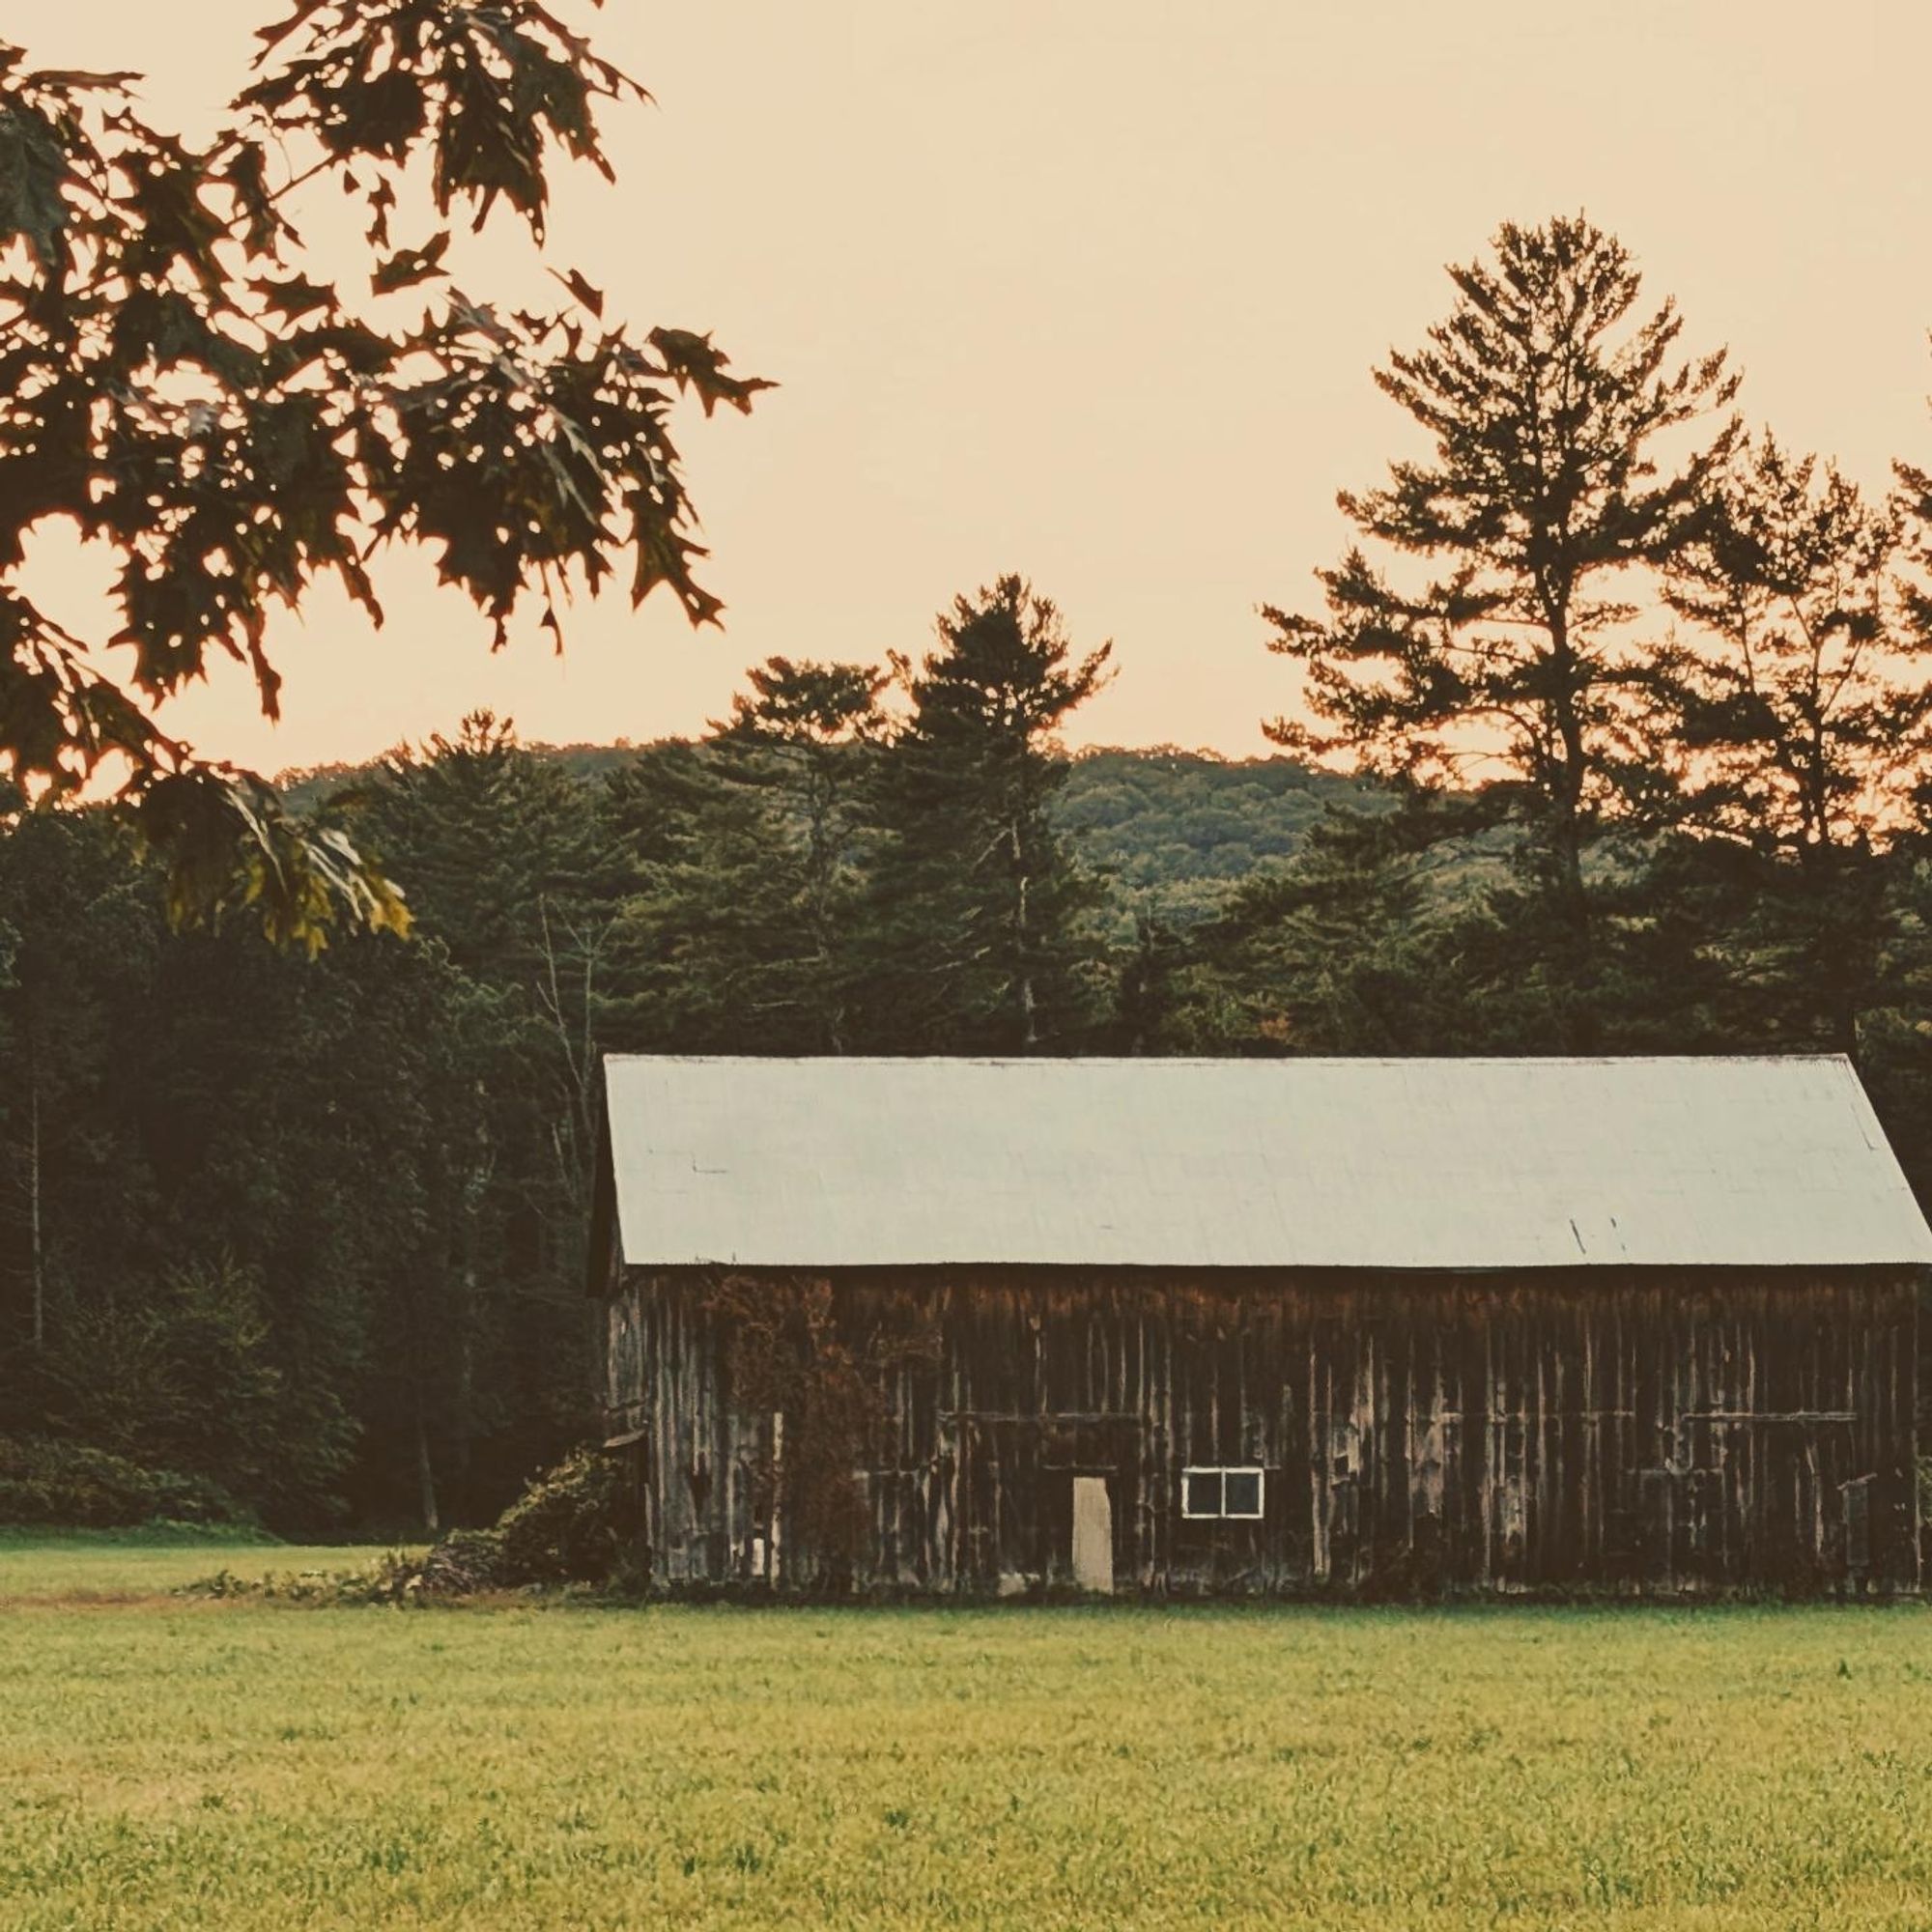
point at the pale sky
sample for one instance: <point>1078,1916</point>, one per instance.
<point>1091,292</point>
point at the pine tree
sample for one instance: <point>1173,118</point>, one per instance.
<point>804,738</point>
<point>977,908</point>
<point>496,849</point>
<point>690,863</point>
<point>1548,491</point>
<point>1798,710</point>
<point>747,855</point>
<point>1798,720</point>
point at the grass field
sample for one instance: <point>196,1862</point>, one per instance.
<point>171,1764</point>
<point>121,1565</point>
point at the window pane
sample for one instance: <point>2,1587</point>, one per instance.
<point>1201,1492</point>
<point>1241,1493</point>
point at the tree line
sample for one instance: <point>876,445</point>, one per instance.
<point>312,1226</point>
<point>1632,708</point>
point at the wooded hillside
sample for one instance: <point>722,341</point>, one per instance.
<point>1172,829</point>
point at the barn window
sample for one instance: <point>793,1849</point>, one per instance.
<point>1221,1493</point>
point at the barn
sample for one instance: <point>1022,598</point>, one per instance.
<point>1259,1326</point>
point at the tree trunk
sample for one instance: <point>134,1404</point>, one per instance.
<point>36,1240</point>
<point>1844,914</point>
<point>466,1381</point>
<point>1029,1001</point>
<point>1025,996</point>
<point>1580,1023</point>
<point>432,1520</point>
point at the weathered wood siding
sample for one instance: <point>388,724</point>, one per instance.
<point>1666,1432</point>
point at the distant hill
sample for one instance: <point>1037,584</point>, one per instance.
<point>1179,829</point>
<point>309,785</point>
<point>1172,830</point>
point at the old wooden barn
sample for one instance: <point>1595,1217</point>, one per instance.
<point>1285,1325</point>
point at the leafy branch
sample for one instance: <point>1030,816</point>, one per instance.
<point>182,389</point>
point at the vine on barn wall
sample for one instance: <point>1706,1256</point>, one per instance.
<point>785,1354</point>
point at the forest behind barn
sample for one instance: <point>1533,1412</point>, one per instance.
<point>309,1228</point>
<point>296,1230</point>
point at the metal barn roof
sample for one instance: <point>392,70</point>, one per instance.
<point>1241,1163</point>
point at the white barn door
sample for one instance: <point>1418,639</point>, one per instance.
<point>1092,1535</point>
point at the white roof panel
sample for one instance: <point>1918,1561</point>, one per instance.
<point>1244,1163</point>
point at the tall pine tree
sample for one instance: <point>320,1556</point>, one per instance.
<point>1797,716</point>
<point>1799,707</point>
<point>1549,402</point>
<point>978,909</point>
<point>738,923</point>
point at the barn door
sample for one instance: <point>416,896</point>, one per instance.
<point>1092,1535</point>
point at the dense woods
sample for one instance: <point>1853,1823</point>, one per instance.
<point>1610,735</point>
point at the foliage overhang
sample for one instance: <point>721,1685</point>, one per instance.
<point>182,386</point>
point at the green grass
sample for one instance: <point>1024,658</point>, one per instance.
<point>108,1565</point>
<point>175,1764</point>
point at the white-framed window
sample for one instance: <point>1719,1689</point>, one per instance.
<point>1234,1493</point>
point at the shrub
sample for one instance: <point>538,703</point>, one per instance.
<point>569,1526</point>
<point>69,1486</point>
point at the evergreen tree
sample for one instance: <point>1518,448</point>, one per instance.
<point>738,927</point>
<point>1797,718</point>
<point>976,909</point>
<point>1549,409</point>
<point>1799,712</point>
<point>499,854</point>
<point>1342,950</point>
<point>804,736</point>
<point>495,852</point>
